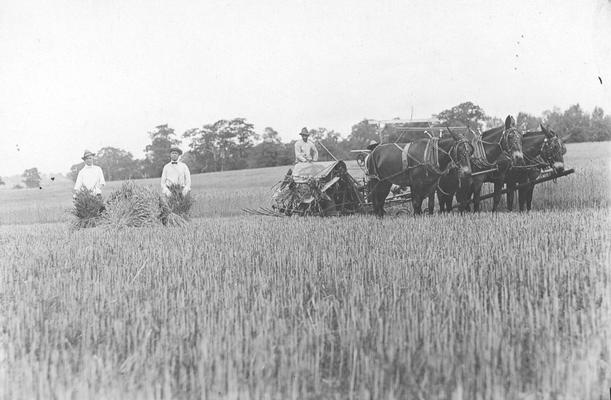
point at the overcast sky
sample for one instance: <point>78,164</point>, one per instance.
<point>85,74</point>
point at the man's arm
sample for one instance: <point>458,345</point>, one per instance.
<point>314,152</point>
<point>164,188</point>
<point>187,180</point>
<point>79,182</point>
<point>299,154</point>
<point>101,181</point>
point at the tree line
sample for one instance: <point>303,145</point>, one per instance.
<point>233,144</point>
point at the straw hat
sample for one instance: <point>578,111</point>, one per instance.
<point>86,154</point>
<point>176,149</point>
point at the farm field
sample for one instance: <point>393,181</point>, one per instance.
<point>224,194</point>
<point>484,306</point>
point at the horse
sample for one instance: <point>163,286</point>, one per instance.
<point>418,164</point>
<point>541,149</point>
<point>449,184</point>
<point>499,149</point>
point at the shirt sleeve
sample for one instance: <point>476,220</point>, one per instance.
<point>187,178</point>
<point>314,152</point>
<point>79,181</point>
<point>101,181</point>
<point>163,178</point>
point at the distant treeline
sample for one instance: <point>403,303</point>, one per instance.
<point>234,144</point>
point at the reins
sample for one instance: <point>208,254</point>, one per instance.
<point>435,169</point>
<point>503,138</point>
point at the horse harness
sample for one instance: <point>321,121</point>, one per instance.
<point>479,153</point>
<point>430,158</point>
<point>544,157</point>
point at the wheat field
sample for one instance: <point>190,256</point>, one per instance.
<point>476,306</point>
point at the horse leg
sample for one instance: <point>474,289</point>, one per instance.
<point>417,199</point>
<point>529,197</point>
<point>445,201</point>
<point>522,196</point>
<point>441,200</point>
<point>431,197</point>
<point>379,198</point>
<point>449,200</point>
<point>498,188</point>
<point>477,191</point>
<point>511,187</point>
<point>463,194</point>
<point>372,188</point>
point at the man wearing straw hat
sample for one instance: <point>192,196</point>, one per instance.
<point>305,151</point>
<point>90,177</point>
<point>175,172</point>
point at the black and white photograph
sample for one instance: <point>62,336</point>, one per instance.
<point>305,199</point>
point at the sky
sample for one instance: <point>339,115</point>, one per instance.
<point>85,74</point>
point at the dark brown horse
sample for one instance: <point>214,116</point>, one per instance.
<point>449,184</point>
<point>541,149</point>
<point>502,148</point>
<point>418,164</point>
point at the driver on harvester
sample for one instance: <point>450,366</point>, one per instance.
<point>305,151</point>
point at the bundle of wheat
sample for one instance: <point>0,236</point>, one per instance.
<point>132,205</point>
<point>136,206</point>
<point>179,203</point>
<point>88,209</point>
<point>293,197</point>
<point>129,206</point>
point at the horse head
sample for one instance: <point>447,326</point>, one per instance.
<point>511,142</point>
<point>510,122</point>
<point>553,150</point>
<point>460,154</point>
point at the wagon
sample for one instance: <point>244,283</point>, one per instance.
<point>317,189</point>
<point>327,188</point>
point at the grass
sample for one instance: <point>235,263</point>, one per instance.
<point>488,306</point>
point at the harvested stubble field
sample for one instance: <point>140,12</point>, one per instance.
<point>445,307</point>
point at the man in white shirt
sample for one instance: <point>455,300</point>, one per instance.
<point>175,172</point>
<point>90,177</point>
<point>305,151</point>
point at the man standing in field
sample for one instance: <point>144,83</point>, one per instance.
<point>90,177</point>
<point>175,172</point>
<point>305,151</point>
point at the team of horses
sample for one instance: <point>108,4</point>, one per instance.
<point>457,165</point>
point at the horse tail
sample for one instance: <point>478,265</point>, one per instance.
<point>371,168</point>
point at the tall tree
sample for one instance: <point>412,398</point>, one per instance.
<point>203,154</point>
<point>270,135</point>
<point>330,144</point>
<point>600,125</point>
<point>117,164</point>
<point>573,123</point>
<point>576,123</point>
<point>492,122</point>
<point>465,113</point>
<point>362,133</point>
<point>31,178</point>
<point>265,154</point>
<point>157,153</point>
<point>225,142</point>
<point>553,118</point>
<point>526,122</point>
